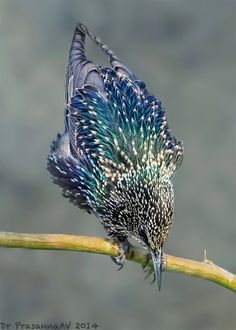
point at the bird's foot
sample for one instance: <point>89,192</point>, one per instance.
<point>147,268</point>
<point>124,245</point>
<point>145,265</point>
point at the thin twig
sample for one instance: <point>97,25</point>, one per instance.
<point>204,269</point>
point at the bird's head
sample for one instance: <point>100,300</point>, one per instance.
<point>141,206</point>
<point>156,222</point>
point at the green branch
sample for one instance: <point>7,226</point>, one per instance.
<point>203,269</point>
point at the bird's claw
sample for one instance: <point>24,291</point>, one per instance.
<point>148,269</point>
<point>124,248</point>
<point>145,265</point>
<point>150,272</point>
<point>145,268</point>
<point>119,260</point>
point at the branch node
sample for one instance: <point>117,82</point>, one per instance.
<point>205,260</point>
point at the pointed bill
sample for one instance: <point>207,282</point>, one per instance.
<point>157,265</point>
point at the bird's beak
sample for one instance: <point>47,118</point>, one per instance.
<point>157,265</point>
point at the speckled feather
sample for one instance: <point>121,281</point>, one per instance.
<point>117,155</point>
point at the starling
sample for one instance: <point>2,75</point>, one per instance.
<point>117,156</point>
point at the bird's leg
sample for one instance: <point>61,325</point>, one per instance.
<point>145,265</point>
<point>124,245</point>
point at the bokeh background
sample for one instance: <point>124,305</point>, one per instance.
<point>185,52</point>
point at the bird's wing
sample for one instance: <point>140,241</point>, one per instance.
<point>83,74</point>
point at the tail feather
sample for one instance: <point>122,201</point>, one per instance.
<point>81,71</point>
<point>116,64</point>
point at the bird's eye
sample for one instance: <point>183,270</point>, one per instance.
<point>143,235</point>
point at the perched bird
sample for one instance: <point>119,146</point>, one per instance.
<point>117,156</point>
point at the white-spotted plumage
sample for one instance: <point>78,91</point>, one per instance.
<point>117,156</point>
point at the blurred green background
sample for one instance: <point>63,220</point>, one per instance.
<point>185,52</point>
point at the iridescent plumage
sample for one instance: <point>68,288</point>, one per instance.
<point>117,155</point>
